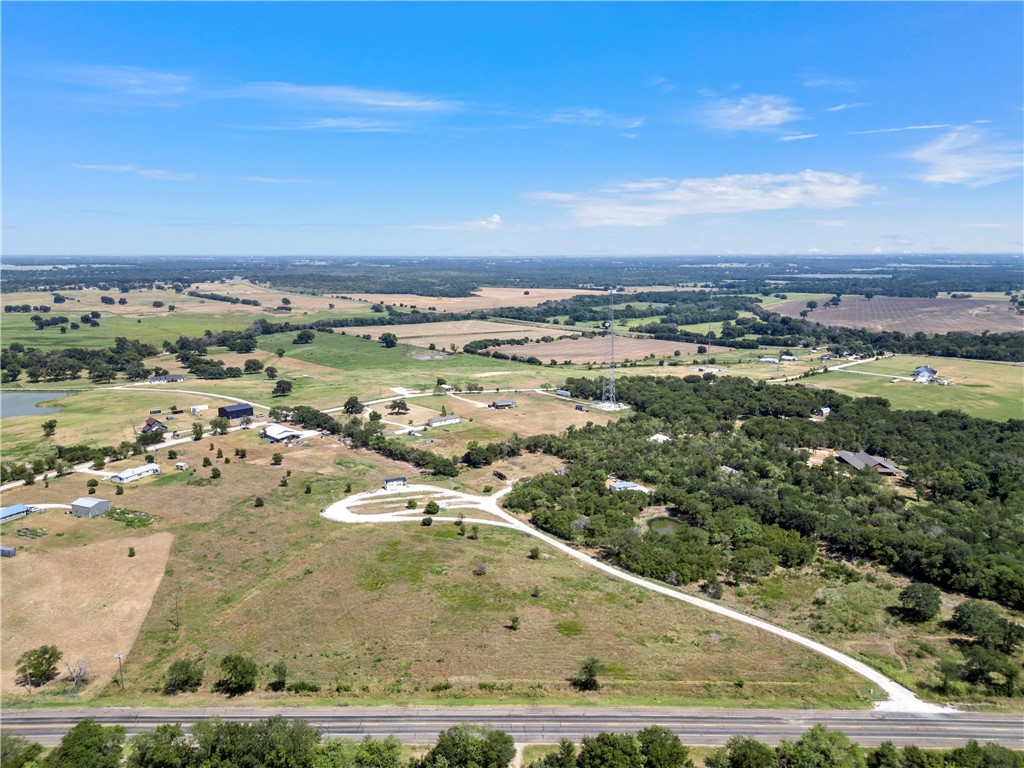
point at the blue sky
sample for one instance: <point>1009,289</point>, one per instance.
<point>512,129</point>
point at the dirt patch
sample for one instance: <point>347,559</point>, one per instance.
<point>481,299</point>
<point>595,350</point>
<point>458,332</point>
<point>893,313</point>
<point>88,601</point>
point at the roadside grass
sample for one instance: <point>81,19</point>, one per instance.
<point>982,389</point>
<point>853,616</point>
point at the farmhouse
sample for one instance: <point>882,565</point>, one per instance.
<point>235,410</point>
<point>924,374</point>
<point>135,473</point>
<point>14,511</point>
<point>153,425</point>
<point>659,438</point>
<point>393,483</point>
<point>503,404</point>
<point>89,507</point>
<point>861,460</point>
<point>625,485</point>
<point>170,378</point>
<point>440,421</point>
<point>277,433</point>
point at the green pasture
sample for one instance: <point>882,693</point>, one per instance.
<point>983,389</point>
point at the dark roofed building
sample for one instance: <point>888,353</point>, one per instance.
<point>153,425</point>
<point>235,410</point>
<point>862,460</point>
<point>501,404</point>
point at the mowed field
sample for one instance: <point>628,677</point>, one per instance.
<point>484,298</point>
<point>89,600</point>
<point>987,390</point>
<point>595,350</point>
<point>458,332</point>
<point>909,315</point>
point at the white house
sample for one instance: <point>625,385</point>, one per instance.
<point>394,483</point>
<point>132,474</point>
<point>88,506</point>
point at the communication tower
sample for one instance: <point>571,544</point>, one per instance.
<point>608,398</point>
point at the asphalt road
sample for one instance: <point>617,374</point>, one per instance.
<point>545,725</point>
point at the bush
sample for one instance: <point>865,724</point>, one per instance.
<point>258,502</point>
<point>534,553</point>
<point>172,454</point>
<point>239,675</point>
<point>276,459</point>
<point>184,675</point>
<point>586,679</point>
<point>215,473</point>
<point>119,491</point>
<point>480,569</point>
<point>427,521</point>
<point>131,551</point>
<point>920,602</point>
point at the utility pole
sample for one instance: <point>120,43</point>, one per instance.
<point>120,669</point>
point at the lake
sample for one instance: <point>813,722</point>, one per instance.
<point>24,403</point>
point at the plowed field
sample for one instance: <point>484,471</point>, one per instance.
<point>893,313</point>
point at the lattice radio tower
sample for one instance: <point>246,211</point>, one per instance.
<point>608,397</point>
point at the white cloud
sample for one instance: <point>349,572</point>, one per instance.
<point>838,83</point>
<point>798,137</point>
<point>594,117</point>
<point>835,223</point>
<point>347,124</point>
<point>968,156</point>
<point>342,96</point>
<point>983,225</point>
<point>491,223</point>
<point>755,112</point>
<point>132,81</point>
<point>656,202</point>
<point>936,126</point>
<point>662,84</point>
<point>149,173</point>
<point>843,107</point>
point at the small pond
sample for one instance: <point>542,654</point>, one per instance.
<point>24,403</point>
<point>665,525</point>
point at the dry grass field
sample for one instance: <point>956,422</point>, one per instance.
<point>485,298</point>
<point>892,313</point>
<point>595,350</point>
<point>88,600</point>
<point>458,332</point>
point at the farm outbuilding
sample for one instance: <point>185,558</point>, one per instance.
<point>89,507</point>
<point>235,410</point>
<point>440,421</point>
<point>503,404</point>
<point>13,512</point>
<point>563,393</point>
<point>394,482</point>
<point>862,460</point>
<point>276,433</point>
<point>8,551</point>
<point>132,474</point>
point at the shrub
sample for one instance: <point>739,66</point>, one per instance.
<point>131,551</point>
<point>183,675</point>
<point>172,454</point>
<point>239,675</point>
<point>480,569</point>
<point>534,553</point>
<point>276,459</point>
<point>586,679</point>
<point>215,473</point>
<point>258,502</point>
<point>427,521</point>
<point>119,491</point>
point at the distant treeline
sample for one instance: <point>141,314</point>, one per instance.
<point>223,297</point>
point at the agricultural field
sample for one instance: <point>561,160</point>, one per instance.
<point>138,319</point>
<point>459,332</point>
<point>984,389</point>
<point>595,350</point>
<point>88,599</point>
<point>909,315</point>
<point>484,298</point>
